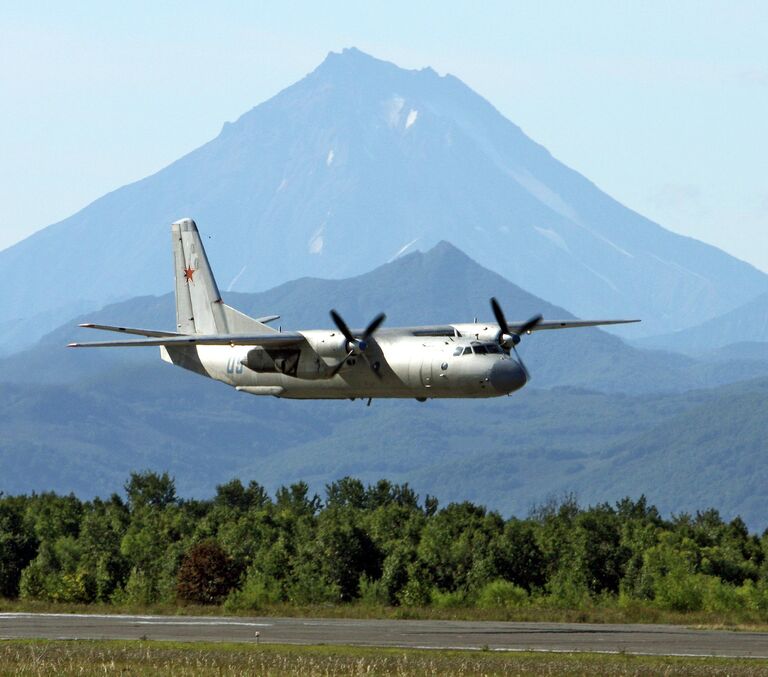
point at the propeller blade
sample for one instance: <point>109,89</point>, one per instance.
<point>504,330</point>
<point>373,326</point>
<point>343,328</point>
<point>530,324</point>
<point>499,315</point>
<point>357,345</point>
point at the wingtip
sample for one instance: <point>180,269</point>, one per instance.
<point>73,345</point>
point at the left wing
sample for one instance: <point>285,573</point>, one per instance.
<point>569,324</point>
<point>460,329</point>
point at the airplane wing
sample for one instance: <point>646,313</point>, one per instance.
<point>569,324</point>
<point>276,340</point>
<point>460,329</point>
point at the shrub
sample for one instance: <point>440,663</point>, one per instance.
<point>720,596</point>
<point>256,592</point>
<point>307,585</point>
<point>32,584</point>
<point>448,600</point>
<point>754,596</point>
<point>416,592</point>
<point>567,590</point>
<point>373,593</point>
<point>501,594</point>
<point>680,591</point>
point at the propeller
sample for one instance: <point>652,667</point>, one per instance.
<point>357,345</point>
<point>509,339</point>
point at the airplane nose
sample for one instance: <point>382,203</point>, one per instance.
<point>507,376</point>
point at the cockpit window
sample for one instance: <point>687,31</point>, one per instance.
<point>480,349</point>
<point>467,350</point>
<point>493,348</point>
<point>458,351</point>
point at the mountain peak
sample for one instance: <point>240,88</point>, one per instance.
<point>354,60</point>
<point>355,165</point>
<point>445,249</point>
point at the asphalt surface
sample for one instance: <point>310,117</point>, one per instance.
<point>638,639</point>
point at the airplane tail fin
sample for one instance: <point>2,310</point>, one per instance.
<point>199,308</point>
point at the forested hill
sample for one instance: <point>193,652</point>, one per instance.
<point>682,451</point>
<point>379,544</point>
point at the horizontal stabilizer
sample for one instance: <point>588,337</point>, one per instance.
<point>267,319</point>
<point>276,339</point>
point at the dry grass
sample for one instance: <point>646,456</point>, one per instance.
<point>41,657</point>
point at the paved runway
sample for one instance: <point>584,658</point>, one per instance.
<point>639,639</point>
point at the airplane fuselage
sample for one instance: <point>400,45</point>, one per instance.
<point>407,367</point>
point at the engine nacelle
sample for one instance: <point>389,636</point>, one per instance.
<point>327,344</point>
<point>509,340</point>
<point>478,331</point>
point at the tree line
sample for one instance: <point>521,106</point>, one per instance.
<point>376,544</point>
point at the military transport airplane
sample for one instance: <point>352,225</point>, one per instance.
<point>214,340</point>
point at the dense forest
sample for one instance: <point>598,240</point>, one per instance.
<point>376,544</point>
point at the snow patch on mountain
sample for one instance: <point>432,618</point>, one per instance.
<point>316,242</point>
<point>404,249</point>
<point>553,237</point>
<point>394,108</point>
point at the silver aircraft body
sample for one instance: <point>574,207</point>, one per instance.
<point>217,341</point>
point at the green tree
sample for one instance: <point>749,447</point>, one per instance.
<point>18,545</point>
<point>148,489</point>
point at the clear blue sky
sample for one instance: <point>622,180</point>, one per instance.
<point>662,104</point>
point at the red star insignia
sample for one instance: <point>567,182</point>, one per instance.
<point>188,273</point>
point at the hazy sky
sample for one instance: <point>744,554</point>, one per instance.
<point>664,105</point>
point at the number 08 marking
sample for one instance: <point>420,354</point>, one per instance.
<point>234,366</point>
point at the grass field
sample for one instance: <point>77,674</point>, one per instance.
<point>43,657</point>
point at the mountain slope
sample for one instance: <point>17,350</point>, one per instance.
<point>507,453</point>
<point>341,171</point>
<point>696,454</point>
<point>746,324</point>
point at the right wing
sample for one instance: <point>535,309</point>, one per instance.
<point>277,340</point>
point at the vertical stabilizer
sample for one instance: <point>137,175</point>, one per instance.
<point>198,302</point>
<point>199,309</point>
